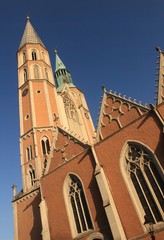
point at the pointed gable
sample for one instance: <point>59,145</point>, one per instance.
<point>117,112</point>
<point>30,35</point>
<point>66,148</point>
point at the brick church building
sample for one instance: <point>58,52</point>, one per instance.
<point>79,183</point>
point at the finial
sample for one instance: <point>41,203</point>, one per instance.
<point>103,88</point>
<point>158,49</point>
<point>28,18</point>
<point>55,51</point>
<point>152,106</point>
<point>14,187</point>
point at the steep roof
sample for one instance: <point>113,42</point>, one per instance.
<point>30,35</point>
<point>62,75</point>
<point>59,63</point>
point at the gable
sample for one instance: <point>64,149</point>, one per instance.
<point>65,149</point>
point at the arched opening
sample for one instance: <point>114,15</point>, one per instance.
<point>141,168</point>
<point>45,145</point>
<point>34,55</point>
<point>32,175</point>
<point>25,75</point>
<point>36,72</point>
<point>24,57</point>
<point>77,205</point>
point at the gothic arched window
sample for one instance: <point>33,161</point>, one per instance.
<point>45,145</point>
<point>77,205</point>
<point>36,72</point>
<point>25,74</point>
<point>32,175</point>
<point>147,181</point>
<point>29,153</point>
<point>46,73</point>
<point>24,57</point>
<point>33,55</point>
<point>43,56</point>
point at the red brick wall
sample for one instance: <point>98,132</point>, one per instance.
<point>146,130</point>
<point>52,187</point>
<point>29,221</point>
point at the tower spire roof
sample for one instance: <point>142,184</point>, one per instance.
<point>59,63</point>
<point>62,74</point>
<point>30,35</point>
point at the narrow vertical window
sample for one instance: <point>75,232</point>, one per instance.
<point>25,75</point>
<point>146,180</point>
<point>46,74</point>
<point>45,164</point>
<point>29,153</point>
<point>45,145</point>
<point>32,175</point>
<point>34,55</point>
<point>24,57</point>
<point>78,205</point>
<point>36,72</point>
<point>43,56</point>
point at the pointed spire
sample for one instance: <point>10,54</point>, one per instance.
<point>59,63</point>
<point>62,75</point>
<point>29,35</point>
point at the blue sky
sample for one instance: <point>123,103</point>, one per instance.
<point>102,42</point>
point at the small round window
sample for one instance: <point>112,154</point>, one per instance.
<point>27,116</point>
<point>38,91</point>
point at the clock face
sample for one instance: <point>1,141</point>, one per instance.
<point>24,92</point>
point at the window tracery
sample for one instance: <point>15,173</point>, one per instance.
<point>146,180</point>
<point>70,109</point>
<point>78,205</point>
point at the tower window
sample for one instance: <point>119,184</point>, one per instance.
<point>78,205</point>
<point>45,164</point>
<point>29,153</point>
<point>43,56</point>
<point>46,73</point>
<point>25,75</point>
<point>27,116</point>
<point>24,57</point>
<point>34,55</point>
<point>146,180</point>
<point>38,91</point>
<point>45,146</point>
<point>36,72</point>
<point>32,175</point>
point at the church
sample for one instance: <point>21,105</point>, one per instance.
<point>79,183</point>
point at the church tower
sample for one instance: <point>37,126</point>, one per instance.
<point>39,104</point>
<point>74,113</point>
